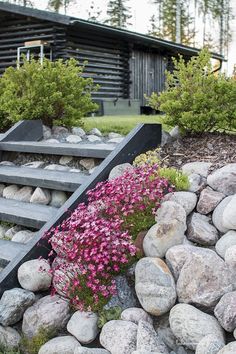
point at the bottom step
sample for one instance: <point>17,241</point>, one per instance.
<point>26,214</point>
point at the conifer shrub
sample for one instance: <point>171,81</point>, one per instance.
<point>196,99</point>
<point>54,92</point>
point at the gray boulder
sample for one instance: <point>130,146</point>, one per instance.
<point>34,275</point>
<point>58,130</point>
<point>47,132</point>
<point>83,326</point>
<point>154,285</point>
<point>49,312</point>
<point>230,259</point>
<point>2,187</point>
<point>225,311</point>
<point>24,194</point>
<point>135,314</point>
<point>196,183</point>
<point>115,140</point>
<point>148,340</point>
<point>228,349</point>
<point>217,216</point>
<point>10,191</point>
<point>23,236</point>
<point>9,337</point>
<point>73,139</point>
<point>191,325</point>
<point>60,345</point>
<point>65,160</point>
<point>201,231</point>
<point>208,200</point>
<point>78,131</point>
<point>83,350</point>
<point>13,304</point>
<point>167,232</point>
<point>95,131</point>
<point>224,179</point>
<point>198,167</point>
<point>56,167</point>
<point>114,135</point>
<point>119,337</point>
<point>35,164</point>
<point>41,196</point>
<point>118,170</point>
<point>87,163</point>
<point>58,198</point>
<point>209,270</point>
<point>187,200</point>
<point>229,214</point>
<point>210,344</point>
<point>12,231</point>
<point>226,241</point>
<point>93,138</point>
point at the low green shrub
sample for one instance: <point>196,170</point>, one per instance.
<point>7,350</point>
<point>175,177</point>
<point>32,345</point>
<point>108,315</point>
<point>53,92</point>
<point>196,99</point>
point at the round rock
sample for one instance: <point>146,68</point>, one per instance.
<point>228,349</point>
<point>119,170</point>
<point>49,312</point>
<point>229,214</point>
<point>119,337</point>
<point>148,340</point>
<point>213,275</point>
<point>154,285</point>
<point>78,131</point>
<point>187,200</point>
<point>135,314</point>
<point>9,337</point>
<point>209,345</point>
<point>10,191</point>
<point>217,216</point>
<point>41,196</point>
<point>225,311</point>
<point>226,241</point>
<point>58,198</point>
<point>191,325</point>
<point>24,194</point>
<point>23,236</point>
<point>83,326</point>
<point>60,345</point>
<point>208,200</point>
<point>224,179</point>
<point>199,167</point>
<point>201,231</point>
<point>83,350</point>
<point>167,232</point>
<point>35,275</point>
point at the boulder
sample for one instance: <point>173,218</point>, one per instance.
<point>60,345</point>
<point>225,311</point>
<point>217,216</point>
<point>230,258</point>
<point>199,167</point>
<point>48,313</point>
<point>9,337</point>
<point>3,231</point>
<point>201,231</point>
<point>13,304</point>
<point>56,167</point>
<point>229,214</point>
<point>24,194</point>
<point>213,275</point>
<point>191,325</point>
<point>95,131</point>
<point>167,232</point>
<point>47,132</point>
<point>52,141</point>
<point>87,163</point>
<point>196,183</point>
<point>118,170</point>
<point>58,198</point>
<point>65,160</point>
<point>34,275</point>
<point>10,191</point>
<point>93,138</point>
<point>23,236</point>
<point>114,135</point>
<point>78,131</point>
<point>12,231</point>
<point>154,285</point>
<point>73,139</point>
<point>210,344</point>
<point>148,340</point>
<point>208,200</point>
<point>224,179</point>
<point>228,349</point>
<point>119,337</point>
<point>2,187</point>
<point>83,326</point>
<point>187,200</point>
<point>58,130</point>
<point>125,296</point>
<point>35,164</point>
<point>115,140</point>
<point>135,314</point>
<point>83,350</point>
<point>226,241</point>
<point>41,196</point>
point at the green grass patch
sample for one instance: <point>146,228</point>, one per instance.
<point>120,124</point>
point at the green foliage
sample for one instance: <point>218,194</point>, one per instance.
<point>54,91</point>
<point>119,13</point>
<point>8,350</point>
<point>32,345</point>
<point>175,177</point>
<point>150,157</point>
<point>108,315</point>
<point>196,99</point>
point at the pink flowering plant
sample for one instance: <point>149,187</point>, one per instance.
<point>96,242</point>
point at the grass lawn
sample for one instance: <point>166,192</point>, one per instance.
<point>120,124</point>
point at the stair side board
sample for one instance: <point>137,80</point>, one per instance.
<point>141,139</point>
<point>27,130</point>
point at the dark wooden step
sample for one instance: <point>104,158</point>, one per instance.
<point>58,180</point>
<point>9,250</point>
<point>100,151</point>
<point>26,214</point>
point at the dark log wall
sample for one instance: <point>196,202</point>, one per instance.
<point>15,30</point>
<point>148,73</point>
<point>108,61</point>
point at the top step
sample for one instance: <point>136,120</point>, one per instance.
<point>100,151</point>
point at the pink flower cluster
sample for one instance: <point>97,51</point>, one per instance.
<point>94,244</point>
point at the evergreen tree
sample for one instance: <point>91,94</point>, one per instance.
<point>94,13</point>
<point>119,14</point>
<point>56,5</point>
